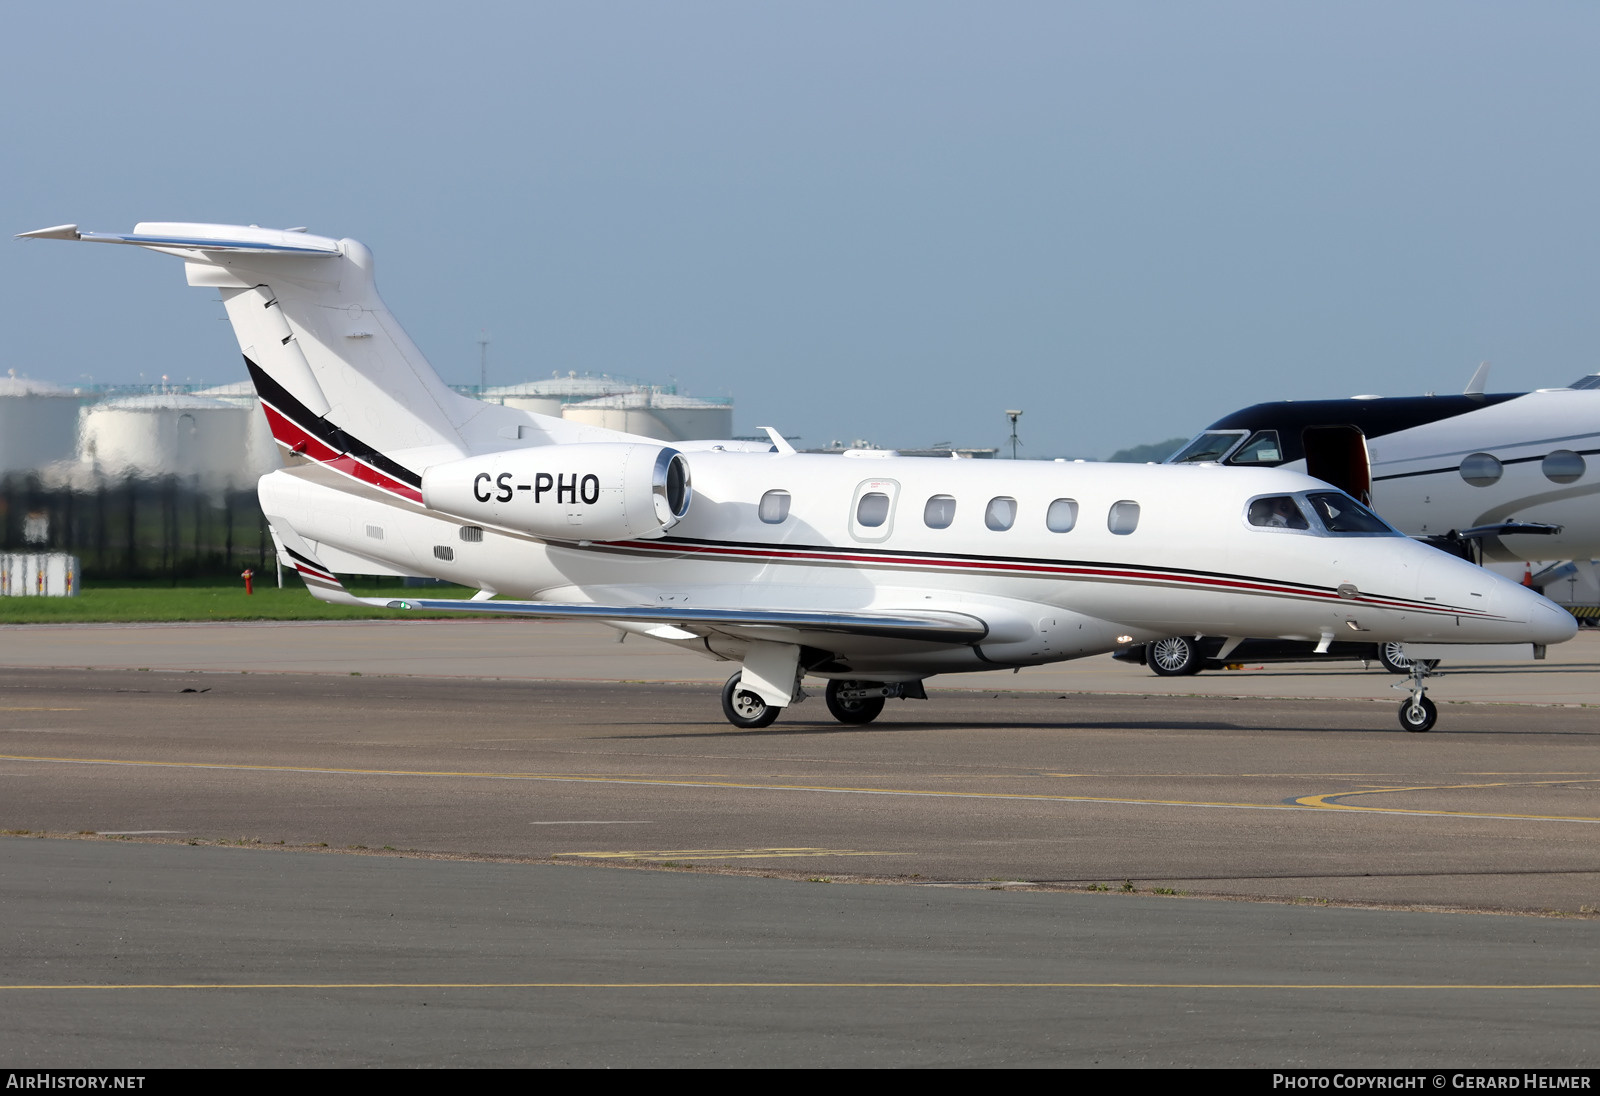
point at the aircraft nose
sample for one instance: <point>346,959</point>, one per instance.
<point>1550,622</point>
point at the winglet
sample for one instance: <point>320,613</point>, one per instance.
<point>779,442</point>
<point>1475,386</point>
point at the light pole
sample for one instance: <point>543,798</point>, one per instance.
<point>1014,416</point>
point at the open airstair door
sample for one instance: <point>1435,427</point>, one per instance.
<point>1338,455</point>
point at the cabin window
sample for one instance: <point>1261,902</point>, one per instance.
<point>939,512</point>
<point>1277,512</point>
<point>1123,518</point>
<point>1001,513</point>
<point>444,552</point>
<point>1339,513</point>
<point>1481,470</point>
<point>1062,515</point>
<point>873,509</point>
<point>1263,448</point>
<point>472,534</point>
<point>1563,466</point>
<point>375,532</point>
<point>774,508</point>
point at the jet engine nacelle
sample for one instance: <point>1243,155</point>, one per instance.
<point>597,491</point>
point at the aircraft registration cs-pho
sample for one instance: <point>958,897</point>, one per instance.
<point>870,571</point>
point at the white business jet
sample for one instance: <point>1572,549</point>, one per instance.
<point>870,571</point>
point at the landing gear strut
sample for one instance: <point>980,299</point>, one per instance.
<point>1417,712</point>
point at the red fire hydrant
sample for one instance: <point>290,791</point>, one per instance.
<point>247,575</point>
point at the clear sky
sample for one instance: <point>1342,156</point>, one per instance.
<point>886,220</point>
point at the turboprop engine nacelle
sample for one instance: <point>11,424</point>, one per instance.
<point>597,491</point>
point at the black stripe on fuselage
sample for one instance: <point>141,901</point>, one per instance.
<point>1457,467</point>
<point>324,431</point>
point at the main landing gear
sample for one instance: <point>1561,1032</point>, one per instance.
<point>852,702</point>
<point>1417,712</point>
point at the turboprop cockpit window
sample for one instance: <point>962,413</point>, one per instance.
<point>1277,512</point>
<point>774,508</point>
<point>1210,446</point>
<point>873,509</point>
<point>1262,448</point>
<point>939,512</point>
<point>1339,513</point>
<point>1001,513</point>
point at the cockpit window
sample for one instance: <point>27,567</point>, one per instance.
<point>1262,448</point>
<point>1339,513</point>
<point>1207,447</point>
<point>1277,512</point>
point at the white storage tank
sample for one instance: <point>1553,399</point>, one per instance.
<point>548,397</point>
<point>656,415</point>
<point>38,423</point>
<point>168,434</point>
<point>261,451</point>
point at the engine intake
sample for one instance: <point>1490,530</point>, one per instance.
<point>595,491</point>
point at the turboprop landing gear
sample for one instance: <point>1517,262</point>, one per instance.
<point>1417,712</point>
<point>744,708</point>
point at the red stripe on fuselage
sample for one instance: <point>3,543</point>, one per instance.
<point>1065,570</point>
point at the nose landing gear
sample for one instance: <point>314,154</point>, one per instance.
<point>1417,712</point>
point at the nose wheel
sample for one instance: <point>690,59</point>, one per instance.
<point>1417,712</point>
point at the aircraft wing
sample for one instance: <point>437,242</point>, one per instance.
<point>930,627</point>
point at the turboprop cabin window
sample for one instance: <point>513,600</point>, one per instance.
<point>1062,515</point>
<point>774,508</point>
<point>1001,513</point>
<point>1123,518</point>
<point>1339,513</point>
<point>939,512</point>
<point>1209,446</point>
<point>873,509</point>
<point>1277,512</point>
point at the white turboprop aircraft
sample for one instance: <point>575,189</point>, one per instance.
<point>871,571</point>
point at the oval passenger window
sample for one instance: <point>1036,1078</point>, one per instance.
<point>1062,515</point>
<point>939,512</point>
<point>873,509</point>
<point>1001,513</point>
<point>1124,517</point>
<point>774,508</point>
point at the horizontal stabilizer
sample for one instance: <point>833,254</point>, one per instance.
<point>198,237</point>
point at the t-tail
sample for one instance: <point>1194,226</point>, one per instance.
<point>339,379</point>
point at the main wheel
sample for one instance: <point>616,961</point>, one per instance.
<point>1418,717</point>
<point>745,709</point>
<point>1175,656</point>
<point>852,711</point>
<point>1391,656</point>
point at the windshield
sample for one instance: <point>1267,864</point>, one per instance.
<point>1207,447</point>
<point>1261,449</point>
<point>1339,513</point>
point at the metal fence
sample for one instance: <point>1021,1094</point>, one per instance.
<point>136,528</point>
